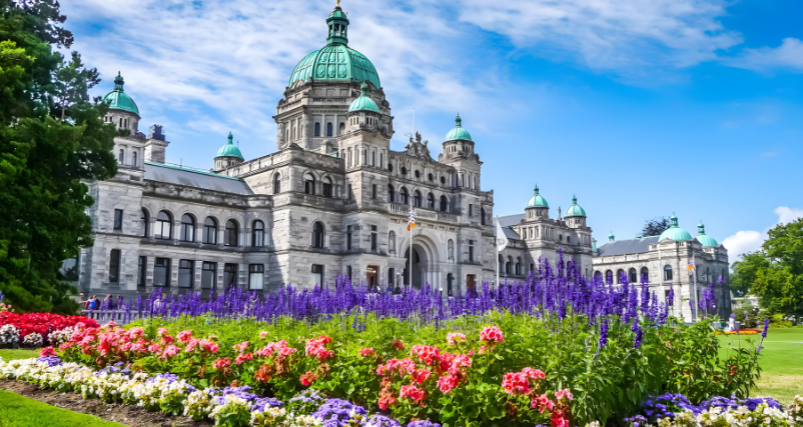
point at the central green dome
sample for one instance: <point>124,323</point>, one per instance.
<point>336,61</point>
<point>674,232</point>
<point>118,99</point>
<point>537,200</point>
<point>230,150</point>
<point>458,132</point>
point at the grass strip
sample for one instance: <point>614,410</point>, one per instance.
<point>19,411</point>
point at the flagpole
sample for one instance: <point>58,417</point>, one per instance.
<point>410,275</point>
<point>496,260</point>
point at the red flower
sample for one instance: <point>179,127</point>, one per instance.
<point>308,378</point>
<point>516,383</point>
<point>47,351</point>
<point>492,334</point>
<point>243,357</point>
<point>365,352</point>
<point>412,392</point>
<point>221,362</point>
<point>398,345</point>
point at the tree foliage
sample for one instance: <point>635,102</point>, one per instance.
<point>51,139</point>
<point>655,226</point>
<point>775,272</point>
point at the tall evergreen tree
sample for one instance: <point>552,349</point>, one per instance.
<point>51,140</point>
<point>655,227</point>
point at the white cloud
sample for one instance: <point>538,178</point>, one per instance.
<point>749,241</point>
<point>788,56</point>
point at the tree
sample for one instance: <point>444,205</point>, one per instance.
<point>775,273</point>
<point>745,270</point>
<point>44,159</point>
<point>655,227</point>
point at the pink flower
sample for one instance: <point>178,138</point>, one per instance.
<point>170,351</point>
<point>213,348</point>
<point>243,358</point>
<point>425,353</point>
<point>558,420</point>
<point>492,334</point>
<point>137,347</point>
<point>365,352</point>
<point>516,383</point>
<point>447,383</point>
<point>263,334</point>
<point>397,344</point>
<point>317,347</point>
<point>471,352</point>
<point>241,346</point>
<point>308,378</point>
<point>47,351</point>
<point>167,339</point>
<point>413,392</point>
<point>542,403</point>
<point>453,338</point>
<point>560,394</point>
<point>185,336</point>
<point>161,331</point>
<point>221,362</point>
<point>135,332</point>
<point>533,374</point>
<point>191,345</point>
<point>154,348</point>
<point>402,367</point>
<point>126,346</point>
<point>421,375</point>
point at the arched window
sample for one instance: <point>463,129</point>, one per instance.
<point>187,228</point>
<point>633,275</point>
<point>430,201</point>
<point>342,128</point>
<point>451,250</point>
<point>134,159</point>
<point>444,204</point>
<point>509,265</point>
<point>317,129</point>
<point>560,238</point>
<point>501,262</point>
<point>518,266</point>
<point>121,156</point>
<point>309,183</point>
<point>403,196</point>
<point>144,222</point>
<point>668,272</point>
<point>210,231</point>
<point>482,217</point>
<point>568,240</point>
<point>392,242</point>
<point>449,284</point>
<point>391,193</point>
<point>597,274</point>
<point>329,129</point>
<point>277,183</point>
<point>327,187</point>
<point>232,233</point>
<point>317,235</point>
<point>417,199</point>
<point>620,275</point>
<point>164,226</point>
<point>608,276</point>
<point>645,274</point>
<point>258,234</point>
<point>403,170</point>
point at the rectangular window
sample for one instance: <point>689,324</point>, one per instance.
<point>471,251</point>
<point>327,189</point>
<point>348,272</point>
<point>230,275</point>
<point>351,193</point>
<point>391,276</point>
<point>142,269</point>
<point>118,220</point>
<point>209,275</point>
<point>114,266</point>
<point>185,273</point>
<point>161,272</point>
<point>373,191</point>
<point>256,276</point>
<point>666,296</point>
<point>470,210</point>
<point>317,275</point>
<point>348,238</point>
<point>373,238</point>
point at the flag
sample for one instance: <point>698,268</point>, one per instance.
<point>691,265</point>
<point>411,220</point>
<point>501,239</point>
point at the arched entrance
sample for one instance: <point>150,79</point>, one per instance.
<point>419,266</point>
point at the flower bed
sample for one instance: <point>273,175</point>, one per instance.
<point>34,329</point>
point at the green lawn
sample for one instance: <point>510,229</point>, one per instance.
<point>18,411</point>
<point>781,361</point>
<point>18,354</point>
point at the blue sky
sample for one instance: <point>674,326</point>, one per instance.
<point>639,107</point>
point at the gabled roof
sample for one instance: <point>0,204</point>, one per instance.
<point>191,178</point>
<point>629,246</point>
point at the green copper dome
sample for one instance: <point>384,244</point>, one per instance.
<point>537,200</point>
<point>458,132</point>
<point>118,99</point>
<point>364,102</point>
<point>230,150</point>
<point>336,61</point>
<point>674,232</point>
<point>706,240</point>
<point>574,209</point>
<point>611,237</point>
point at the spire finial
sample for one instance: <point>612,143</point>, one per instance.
<point>338,26</point>
<point>119,82</point>
<point>458,122</point>
<point>338,3</point>
<point>536,188</point>
<point>364,89</point>
<point>574,199</point>
<point>231,138</point>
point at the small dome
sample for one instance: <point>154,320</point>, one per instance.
<point>230,150</point>
<point>706,240</point>
<point>574,209</point>
<point>364,102</point>
<point>537,200</point>
<point>118,99</point>
<point>611,237</point>
<point>674,232</point>
<point>458,133</point>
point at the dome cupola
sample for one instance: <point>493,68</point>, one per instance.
<point>706,240</point>
<point>458,133</point>
<point>118,99</point>
<point>230,150</point>
<point>611,237</point>
<point>364,102</point>
<point>574,209</point>
<point>537,200</point>
<point>674,232</point>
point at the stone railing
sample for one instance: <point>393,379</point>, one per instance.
<point>422,213</point>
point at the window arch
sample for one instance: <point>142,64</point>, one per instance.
<point>317,235</point>
<point>258,234</point>
<point>145,222</point>
<point>134,159</point>
<point>187,228</point>
<point>509,265</point>
<point>482,216</point>
<point>317,129</point>
<point>277,183</point>
<point>404,197</point>
<point>164,226</point>
<point>560,238</point>
<point>417,199</point>
<point>451,250</point>
<point>309,183</point>
<point>619,275</point>
<point>501,262</point>
<point>121,156</point>
<point>210,231</point>
<point>430,201</point>
<point>597,274</point>
<point>608,276</point>
<point>645,274</point>
<point>341,128</point>
<point>392,242</point>
<point>327,187</point>
<point>391,193</point>
<point>633,276</point>
<point>329,129</point>
<point>232,233</point>
<point>444,204</point>
<point>518,266</point>
<point>668,272</point>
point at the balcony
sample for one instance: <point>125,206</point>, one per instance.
<point>422,213</point>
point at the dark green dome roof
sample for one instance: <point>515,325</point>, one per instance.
<point>537,200</point>
<point>336,61</point>
<point>706,240</point>
<point>575,209</point>
<point>230,150</point>
<point>458,132</point>
<point>118,99</point>
<point>674,232</point>
<point>364,102</point>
